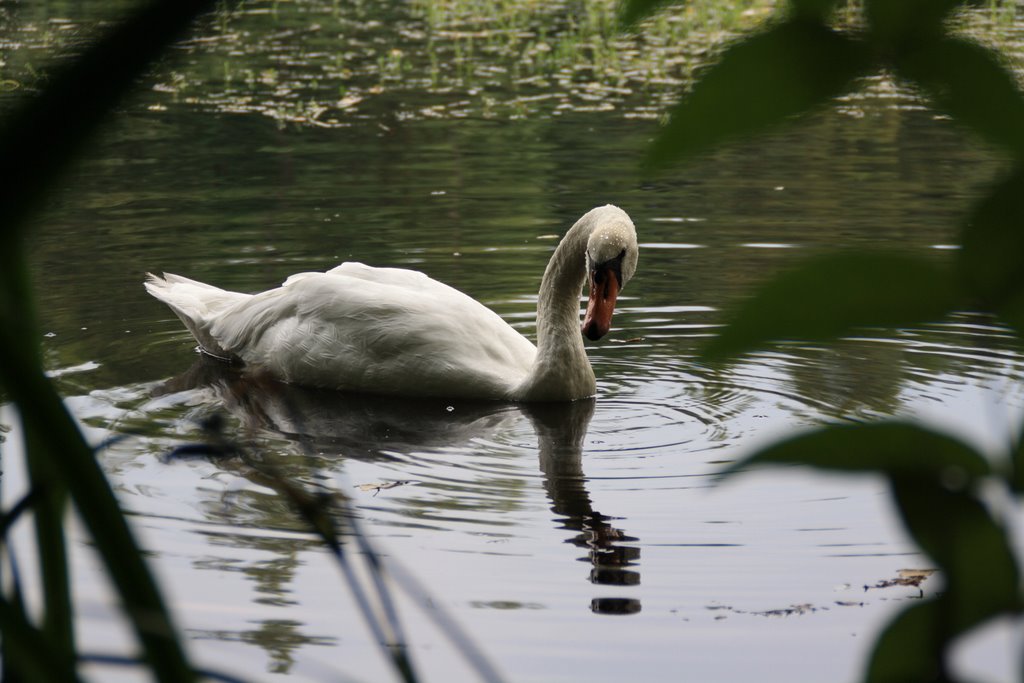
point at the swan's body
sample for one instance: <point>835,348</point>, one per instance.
<point>394,331</point>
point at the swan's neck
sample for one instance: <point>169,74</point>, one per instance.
<point>561,370</point>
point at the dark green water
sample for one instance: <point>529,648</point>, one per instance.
<point>217,169</point>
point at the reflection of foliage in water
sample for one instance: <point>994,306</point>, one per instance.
<point>280,638</point>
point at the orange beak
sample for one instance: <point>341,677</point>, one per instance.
<point>604,290</point>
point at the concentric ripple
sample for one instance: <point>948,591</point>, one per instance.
<point>659,416</point>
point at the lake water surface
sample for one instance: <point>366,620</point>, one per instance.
<point>584,542</point>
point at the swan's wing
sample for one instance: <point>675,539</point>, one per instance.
<point>380,330</point>
<point>401,278</point>
<point>397,277</point>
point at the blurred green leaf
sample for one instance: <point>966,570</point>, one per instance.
<point>759,82</point>
<point>896,21</point>
<point>971,548</point>
<point>633,11</point>
<point>894,448</point>
<point>1017,466</point>
<point>908,649</point>
<point>971,83</point>
<point>992,257</point>
<point>829,296</point>
<point>40,137</point>
<point>1011,309</point>
<point>815,9</point>
<point>34,658</point>
<point>49,514</point>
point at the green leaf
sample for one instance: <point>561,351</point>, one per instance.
<point>1017,467</point>
<point>1012,311</point>
<point>50,512</point>
<point>992,257</point>
<point>971,548</point>
<point>814,9</point>
<point>33,657</point>
<point>40,137</point>
<point>894,448</point>
<point>898,21</point>
<point>979,568</point>
<point>759,82</point>
<point>908,649</point>
<point>829,296</point>
<point>633,11</point>
<point>971,83</point>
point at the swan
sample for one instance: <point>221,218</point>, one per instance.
<point>398,332</point>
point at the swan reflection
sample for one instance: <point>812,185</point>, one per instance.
<point>361,426</point>
<point>374,427</point>
<point>561,430</point>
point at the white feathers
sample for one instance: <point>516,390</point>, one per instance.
<point>395,331</point>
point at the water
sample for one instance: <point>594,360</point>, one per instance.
<point>585,542</point>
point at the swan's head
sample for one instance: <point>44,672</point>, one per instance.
<point>611,261</point>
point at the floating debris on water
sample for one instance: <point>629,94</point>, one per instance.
<point>904,577</point>
<point>377,487</point>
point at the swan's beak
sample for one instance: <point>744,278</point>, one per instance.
<point>604,290</point>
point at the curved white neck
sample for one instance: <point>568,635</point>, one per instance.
<point>561,369</point>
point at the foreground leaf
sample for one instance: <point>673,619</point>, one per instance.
<point>45,133</point>
<point>901,21</point>
<point>908,649</point>
<point>981,575</point>
<point>830,296</point>
<point>1016,478</point>
<point>49,513</point>
<point>34,657</point>
<point>992,257</point>
<point>970,82</point>
<point>817,9</point>
<point>759,82</point>
<point>971,548</point>
<point>893,448</point>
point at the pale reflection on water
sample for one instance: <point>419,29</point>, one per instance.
<point>370,428</point>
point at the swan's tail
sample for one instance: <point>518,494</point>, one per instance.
<point>197,304</point>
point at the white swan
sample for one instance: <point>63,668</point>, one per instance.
<point>395,331</point>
